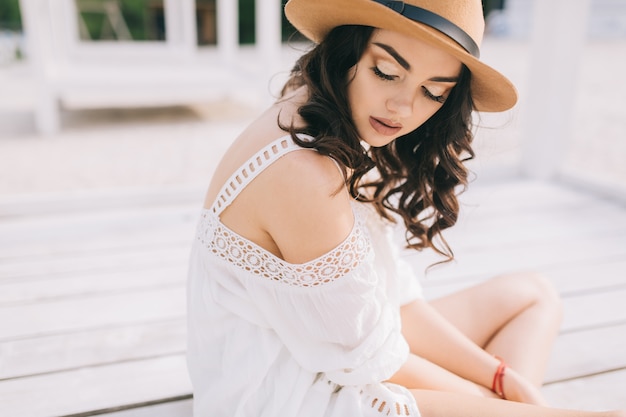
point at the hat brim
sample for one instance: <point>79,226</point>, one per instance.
<point>491,91</point>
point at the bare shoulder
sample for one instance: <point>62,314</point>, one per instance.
<point>298,208</point>
<point>306,171</point>
<point>258,134</point>
<point>304,181</point>
<point>305,205</point>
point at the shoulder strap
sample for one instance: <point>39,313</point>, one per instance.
<point>251,169</point>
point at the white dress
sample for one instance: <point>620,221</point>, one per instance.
<point>270,338</point>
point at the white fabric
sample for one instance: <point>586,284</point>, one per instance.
<point>270,338</point>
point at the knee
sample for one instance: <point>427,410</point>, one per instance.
<point>545,291</point>
<point>539,293</point>
<point>547,296</point>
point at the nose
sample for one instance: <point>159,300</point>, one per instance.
<point>401,104</point>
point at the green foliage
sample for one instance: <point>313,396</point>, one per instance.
<point>10,17</point>
<point>145,20</point>
<point>135,13</point>
<point>246,23</point>
<point>93,23</point>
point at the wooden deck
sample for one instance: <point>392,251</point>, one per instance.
<point>92,294</point>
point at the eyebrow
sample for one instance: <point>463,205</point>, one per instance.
<point>404,63</point>
<point>444,79</point>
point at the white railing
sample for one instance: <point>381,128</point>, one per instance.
<point>79,74</point>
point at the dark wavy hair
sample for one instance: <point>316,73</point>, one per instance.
<point>418,175</point>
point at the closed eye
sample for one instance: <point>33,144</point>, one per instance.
<point>382,75</point>
<point>439,99</point>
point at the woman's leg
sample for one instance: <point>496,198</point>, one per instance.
<point>419,373</point>
<point>515,316</point>
<point>445,404</point>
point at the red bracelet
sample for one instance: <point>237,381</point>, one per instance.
<point>497,385</point>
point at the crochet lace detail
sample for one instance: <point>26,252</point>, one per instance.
<point>249,171</point>
<point>382,399</point>
<point>389,400</point>
<point>248,256</point>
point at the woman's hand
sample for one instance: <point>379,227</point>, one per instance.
<point>517,388</point>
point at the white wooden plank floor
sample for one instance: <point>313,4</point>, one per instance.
<point>92,303</point>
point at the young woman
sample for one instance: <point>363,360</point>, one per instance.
<point>298,302</point>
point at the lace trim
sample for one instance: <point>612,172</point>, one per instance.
<point>253,167</point>
<point>248,256</point>
<point>381,399</point>
<point>389,400</point>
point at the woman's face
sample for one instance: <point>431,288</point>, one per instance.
<point>398,83</point>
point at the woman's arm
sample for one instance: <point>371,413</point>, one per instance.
<point>433,338</point>
<point>436,343</point>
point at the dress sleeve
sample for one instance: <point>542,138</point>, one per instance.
<point>409,287</point>
<point>387,239</point>
<point>347,329</point>
<point>334,314</point>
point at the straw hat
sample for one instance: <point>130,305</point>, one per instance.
<point>456,26</point>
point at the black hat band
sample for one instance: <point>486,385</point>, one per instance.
<point>435,21</point>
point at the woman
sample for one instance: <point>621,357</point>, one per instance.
<point>298,303</point>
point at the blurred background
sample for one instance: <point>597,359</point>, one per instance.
<point>114,113</point>
<point>102,94</point>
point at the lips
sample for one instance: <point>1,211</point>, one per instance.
<point>385,127</point>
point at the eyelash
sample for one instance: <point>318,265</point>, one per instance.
<point>438,99</point>
<point>387,77</point>
<point>382,75</point>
